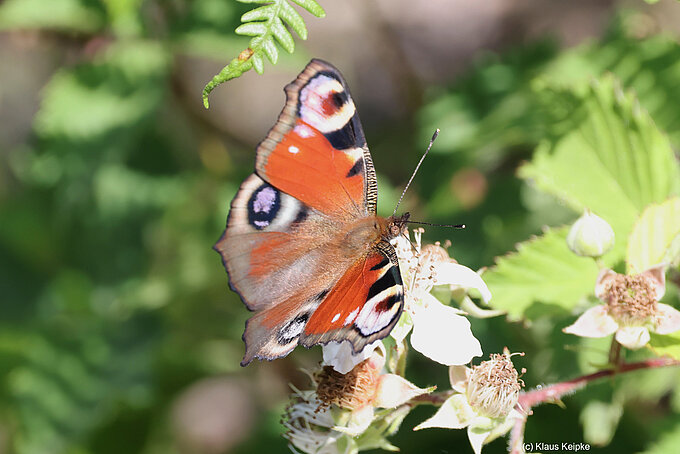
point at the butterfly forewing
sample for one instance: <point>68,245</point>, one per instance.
<point>317,149</point>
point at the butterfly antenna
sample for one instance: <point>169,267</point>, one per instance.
<point>453,226</point>
<point>434,137</point>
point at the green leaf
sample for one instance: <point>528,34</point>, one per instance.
<point>270,50</point>
<point>666,444</point>
<point>258,63</point>
<point>251,29</point>
<point>605,154</point>
<point>264,24</point>
<point>653,234</point>
<point>542,271</point>
<point>600,420</point>
<point>293,19</point>
<point>72,15</point>
<point>96,100</point>
<point>668,344</point>
<point>312,6</point>
<point>257,14</point>
<point>282,35</point>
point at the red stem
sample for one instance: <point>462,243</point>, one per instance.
<point>553,393</point>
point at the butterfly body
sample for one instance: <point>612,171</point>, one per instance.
<point>304,247</point>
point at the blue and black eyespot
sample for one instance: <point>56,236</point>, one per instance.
<point>263,206</point>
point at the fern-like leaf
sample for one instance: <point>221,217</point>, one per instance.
<point>267,24</point>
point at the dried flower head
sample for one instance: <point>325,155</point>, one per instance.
<point>352,390</point>
<point>484,400</point>
<point>493,387</point>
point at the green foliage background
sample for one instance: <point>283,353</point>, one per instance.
<point>114,307</point>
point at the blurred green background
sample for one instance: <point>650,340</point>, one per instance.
<point>118,333</point>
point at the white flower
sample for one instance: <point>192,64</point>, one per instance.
<point>309,426</point>
<point>440,332</point>
<point>342,358</point>
<point>632,308</point>
<point>484,401</point>
<point>342,407</point>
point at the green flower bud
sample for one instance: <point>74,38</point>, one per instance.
<point>590,236</point>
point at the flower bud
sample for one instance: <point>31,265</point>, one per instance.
<point>590,236</point>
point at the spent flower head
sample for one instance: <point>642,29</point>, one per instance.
<point>632,309</point>
<point>484,400</point>
<point>341,407</point>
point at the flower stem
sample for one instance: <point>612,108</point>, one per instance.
<point>615,359</point>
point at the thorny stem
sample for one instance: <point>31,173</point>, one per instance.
<point>554,393</point>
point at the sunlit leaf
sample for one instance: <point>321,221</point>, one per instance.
<point>606,155</point>
<point>543,270</point>
<point>668,344</point>
<point>653,234</point>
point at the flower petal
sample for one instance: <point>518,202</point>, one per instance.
<point>358,422</point>
<point>477,438</point>
<point>455,413</point>
<point>402,328</point>
<point>394,390</point>
<point>633,337</point>
<point>458,375</point>
<point>442,335</point>
<point>667,319</point>
<point>605,278</point>
<point>595,322</point>
<point>342,358</point>
<point>461,276</point>
<point>657,276</point>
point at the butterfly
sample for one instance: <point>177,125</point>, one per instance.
<point>303,246</point>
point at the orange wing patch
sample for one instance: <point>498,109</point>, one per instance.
<point>343,303</point>
<point>304,163</point>
<point>362,307</point>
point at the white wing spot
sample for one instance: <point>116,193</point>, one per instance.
<point>335,317</point>
<point>293,149</point>
<point>303,131</point>
<point>351,316</point>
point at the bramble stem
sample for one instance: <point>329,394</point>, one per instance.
<point>615,353</point>
<point>553,393</point>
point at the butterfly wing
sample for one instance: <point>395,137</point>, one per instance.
<point>317,151</point>
<point>363,306</point>
<point>314,177</point>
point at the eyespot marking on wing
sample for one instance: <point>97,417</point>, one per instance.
<point>324,104</point>
<point>263,206</point>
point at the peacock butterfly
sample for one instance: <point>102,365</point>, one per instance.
<point>304,247</point>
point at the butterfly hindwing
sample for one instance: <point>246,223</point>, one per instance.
<point>363,306</point>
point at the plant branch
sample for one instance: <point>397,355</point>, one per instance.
<point>554,393</point>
